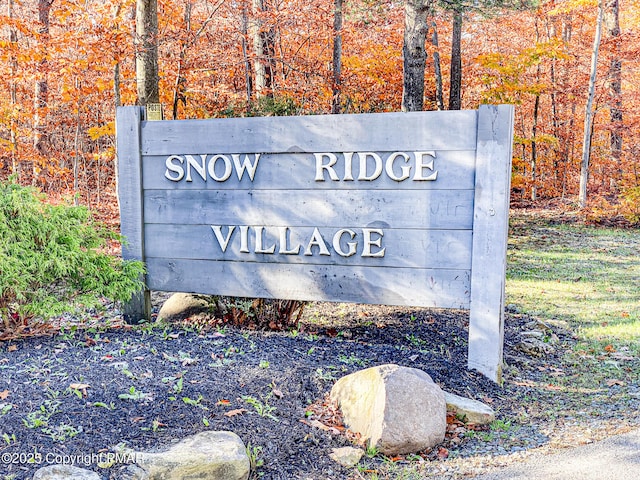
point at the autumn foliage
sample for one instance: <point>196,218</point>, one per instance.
<point>65,65</point>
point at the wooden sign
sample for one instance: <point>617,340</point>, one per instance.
<point>393,208</point>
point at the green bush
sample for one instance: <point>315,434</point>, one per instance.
<point>52,259</point>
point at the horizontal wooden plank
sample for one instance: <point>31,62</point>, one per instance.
<point>452,169</point>
<point>358,208</point>
<point>313,133</point>
<point>398,286</point>
<point>402,248</point>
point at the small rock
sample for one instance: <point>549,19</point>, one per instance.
<point>207,456</point>
<point>346,456</point>
<point>397,409</point>
<point>64,472</point>
<point>182,305</point>
<point>535,347</point>
<point>473,411</point>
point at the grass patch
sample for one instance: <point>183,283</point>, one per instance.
<point>584,277</point>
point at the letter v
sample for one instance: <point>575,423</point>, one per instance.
<point>222,241</point>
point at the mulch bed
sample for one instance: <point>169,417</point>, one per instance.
<point>86,392</point>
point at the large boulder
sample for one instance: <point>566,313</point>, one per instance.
<point>208,455</point>
<point>398,410</point>
<point>64,472</point>
<point>182,305</point>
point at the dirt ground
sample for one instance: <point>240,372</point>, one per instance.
<point>89,391</point>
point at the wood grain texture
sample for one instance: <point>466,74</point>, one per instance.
<point>404,248</point>
<point>129,187</point>
<point>404,209</point>
<point>490,228</point>
<point>296,171</point>
<point>445,289</point>
<point>451,130</point>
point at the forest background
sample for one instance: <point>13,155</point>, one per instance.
<point>66,64</point>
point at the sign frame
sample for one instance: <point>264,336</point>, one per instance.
<point>185,182</point>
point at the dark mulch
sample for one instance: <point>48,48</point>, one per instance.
<point>190,381</point>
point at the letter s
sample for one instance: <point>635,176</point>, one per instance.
<point>177,169</point>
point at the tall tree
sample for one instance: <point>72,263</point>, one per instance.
<point>455,84</point>
<point>588,116</point>
<point>414,54</point>
<point>337,56</point>
<point>147,52</point>
<point>41,96</point>
<point>612,30</point>
<point>264,49</point>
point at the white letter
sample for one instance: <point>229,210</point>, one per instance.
<point>348,174</point>
<point>284,243</point>
<point>259,242</point>
<point>328,167</point>
<point>174,168</point>
<point>244,239</point>
<point>227,168</point>
<point>223,241</point>
<point>246,165</point>
<point>192,162</point>
<point>316,239</point>
<point>366,252</point>
<point>420,165</point>
<point>405,169</point>
<point>362,175</point>
<point>336,242</point>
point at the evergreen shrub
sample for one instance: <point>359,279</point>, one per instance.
<point>53,260</point>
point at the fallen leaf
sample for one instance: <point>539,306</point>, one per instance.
<point>4,394</point>
<point>79,386</point>
<point>233,413</point>
<point>223,402</point>
<point>137,419</point>
<point>12,348</point>
<point>611,382</point>
<point>318,424</point>
<point>443,453</point>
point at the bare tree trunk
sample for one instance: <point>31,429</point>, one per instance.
<point>588,117</point>
<point>245,55</point>
<point>179,94</point>
<point>13,92</point>
<point>147,51</point>
<point>437,67</point>
<point>612,27</point>
<point>337,57</point>
<point>414,54</point>
<point>41,96</point>
<point>263,49</point>
<point>455,88</point>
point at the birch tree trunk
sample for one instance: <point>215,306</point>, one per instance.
<point>414,54</point>
<point>588,117</point>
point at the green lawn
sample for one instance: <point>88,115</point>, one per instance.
<point>584,277</point>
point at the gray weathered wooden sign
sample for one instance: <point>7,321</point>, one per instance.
<point>392,208</point>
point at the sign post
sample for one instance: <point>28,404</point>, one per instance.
<point>394,208</point>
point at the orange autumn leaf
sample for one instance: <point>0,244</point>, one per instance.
<point>233,413</point>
